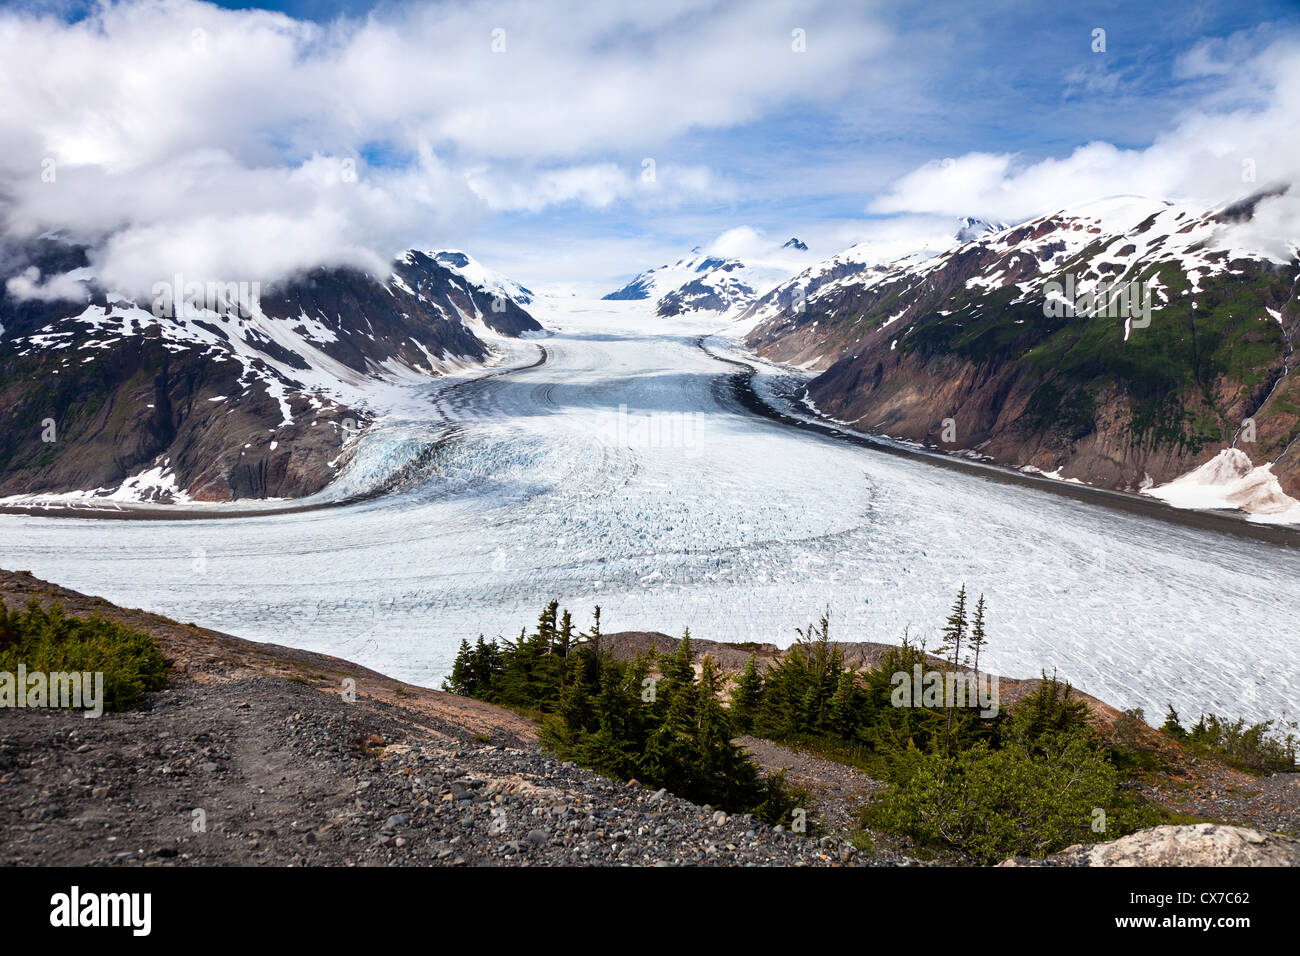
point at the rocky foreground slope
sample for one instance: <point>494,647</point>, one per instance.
<point>222,392</point>
<point>260,754</point>
<point>1021,345</point>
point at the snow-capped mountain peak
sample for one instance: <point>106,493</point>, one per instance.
<point>970,228</point>
<point>479,275</point>
<point>707,281</point>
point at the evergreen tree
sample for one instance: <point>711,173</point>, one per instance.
<point>1171,725</point>
<point>950,650</point>
<point>798,688</point>
<point>747,698</point>
<point>679,668</point>
<point>475,669</point>
<point>977,635</point>
<point>460,681</point>
<point>593,635</point>
<point>891,729</point>
<point>841,712</point>
<point>722,768</point>
<point>546,630</point>
<point>1050,711</point>
<point>530,673</point>
<point>565,633</point>
<point>671,749</point>
<point>582,681</point>
<point>617,743</point>
<point>593,712</point>
<point>954,631</point>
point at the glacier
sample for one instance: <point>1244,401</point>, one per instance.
<point>515,490</point>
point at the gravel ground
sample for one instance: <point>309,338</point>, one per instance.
<point>285,775</point>
<point>1207,789</point>
<point>840,791</point>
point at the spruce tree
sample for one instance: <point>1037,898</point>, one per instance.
<point>840,711</point>
<point>723,771</point>
<point>977,635</point>
<point>593,635</point>
<point>1172,726</point>
<point>679,669</point>
<point>546,630</point>
<point>460,681</point>
<point>954,631</point>
<point>950,650</point>
<point>485,665</point>
<point>670,753</point>
<point>566,633</point>
<point>748,696</point>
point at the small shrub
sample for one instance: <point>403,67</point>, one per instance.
<point>993,804</point>
<point>1129,742</point>
<point>131,661</point>
<point>861,841</point>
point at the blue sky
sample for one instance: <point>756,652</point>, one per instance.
<point>744,132</point>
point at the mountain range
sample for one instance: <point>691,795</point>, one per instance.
<point>704,283</point>
<point>1130,343</point>
<point>1020,346</point>
<point>213,393</point>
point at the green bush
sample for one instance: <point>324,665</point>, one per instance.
<point>1254,748</point>
<point>1029,789</point>
<point>131,661</point>
<point>990,804</point>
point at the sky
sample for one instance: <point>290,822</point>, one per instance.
<point>571,145</point>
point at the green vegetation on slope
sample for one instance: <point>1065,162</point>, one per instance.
<point>614,718</point>
<point>983,782</point>
<point>47,641</point>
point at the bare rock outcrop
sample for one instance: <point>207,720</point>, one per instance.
<point>1201,844</point>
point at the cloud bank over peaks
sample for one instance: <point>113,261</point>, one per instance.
<point>1243,138</point>
<point>175,135</point>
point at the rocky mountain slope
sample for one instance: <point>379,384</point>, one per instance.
<point>217,393</point>
<point>791,295</point>
<point>994,348</point>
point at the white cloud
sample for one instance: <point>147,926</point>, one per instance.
<point>598,185</point>
<point>1248,126</point>
<point>29,284</point>
<point>186,137</point>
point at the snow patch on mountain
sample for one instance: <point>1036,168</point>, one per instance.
<point>1231,481</point>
